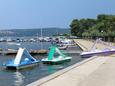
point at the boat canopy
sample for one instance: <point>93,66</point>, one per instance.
<point>54,49</point>
<point>93,48</point>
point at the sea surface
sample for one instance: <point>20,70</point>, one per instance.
<point>26,76</point>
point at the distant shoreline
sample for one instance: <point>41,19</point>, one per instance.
<point>33,32</point>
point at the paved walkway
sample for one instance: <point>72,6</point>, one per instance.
<point>78,75</point>
<point>103,76</point>
<point>97,72</point>
<point>87,45</point>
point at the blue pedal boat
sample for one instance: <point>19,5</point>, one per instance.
<point>23,60</point>
<point>51,59</point>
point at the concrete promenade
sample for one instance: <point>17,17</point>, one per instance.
<point>87,45</point>
<point>95,71</point>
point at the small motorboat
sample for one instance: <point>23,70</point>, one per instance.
<point>95,51</point>
<point>61,46</point>
<point>68,42</point>
<point>51,59</point>
<point>23,60</point>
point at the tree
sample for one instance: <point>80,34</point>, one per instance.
<point>103,26</point>
<point>75,27</point>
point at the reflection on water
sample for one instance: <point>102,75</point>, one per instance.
<point>26,76</point>
<point>53,68</point>
<point>50,69</point>
<point>18,78</point>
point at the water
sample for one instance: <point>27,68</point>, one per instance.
<point>27,45</point>
<point>26,76</point>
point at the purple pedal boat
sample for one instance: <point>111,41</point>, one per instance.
<point>95,51</point>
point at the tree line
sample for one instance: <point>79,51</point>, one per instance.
<point>101,27</point>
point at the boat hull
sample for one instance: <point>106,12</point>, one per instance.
<point>13,67</point>
<point>103,53</point>
<point>54,62</point>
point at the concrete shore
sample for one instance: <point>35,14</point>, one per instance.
<point>95,71</point>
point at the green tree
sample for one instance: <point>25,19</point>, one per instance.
<point>75,27</point>
<point>103,26</point>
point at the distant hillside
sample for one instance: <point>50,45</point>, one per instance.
<point>34,32</point>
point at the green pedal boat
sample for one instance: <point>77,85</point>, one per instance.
<point>55,60</point>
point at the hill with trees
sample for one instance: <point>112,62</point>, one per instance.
<point>102,27</point>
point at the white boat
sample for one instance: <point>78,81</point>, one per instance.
<point>63,47</point>
<point>13,43</point>
<point>67,42</point>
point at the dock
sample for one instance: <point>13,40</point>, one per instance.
<point>94,71</point>
<point>32,52</point>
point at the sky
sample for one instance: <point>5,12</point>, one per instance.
<point>23,14</point>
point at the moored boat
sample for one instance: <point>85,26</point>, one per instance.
<point>23,60</point>
<point>97,52</point>
<point>51,59</point>
<point>94,51</point>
